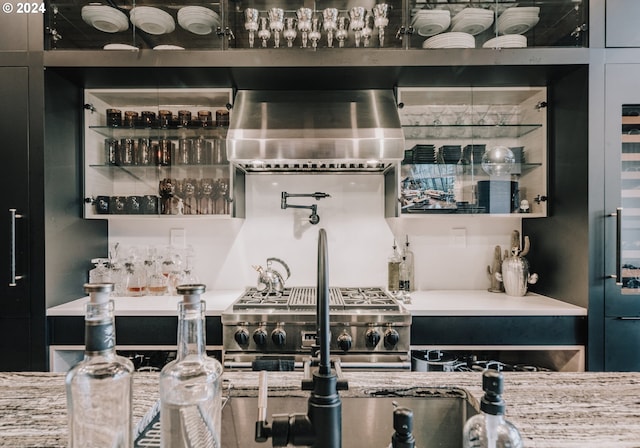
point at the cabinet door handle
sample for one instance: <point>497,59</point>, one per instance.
<point>618,275</point>
<point>13,278</point>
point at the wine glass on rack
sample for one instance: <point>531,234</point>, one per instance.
<point>305,16</point>
<point>251,23</point>
<point>503,113</point>
<point>289,32</point>
<point>459,112</point>
<point>314,34</point>
<point>367,30</point>
<point>264,34</point>
<point>380,12</point>
<point>276,23</point>
<point>330,24</point>
<point>356,22</point>
<point>342,32</point>
<point>480,113</point>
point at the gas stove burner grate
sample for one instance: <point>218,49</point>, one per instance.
<point>254,298</point>
<point>305,297</point>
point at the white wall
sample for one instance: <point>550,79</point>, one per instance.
<point>359,237</point>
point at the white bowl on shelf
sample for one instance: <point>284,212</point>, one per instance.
<point>506,41</point>
<point>104,18</point>
<point>517,20</point>
<point>429,22</point>
<point>198,19</point>
<point>152,20</point>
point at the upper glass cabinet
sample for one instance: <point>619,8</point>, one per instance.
<point>308,25</point>
<point>474,150</point>
<point>157,152</point>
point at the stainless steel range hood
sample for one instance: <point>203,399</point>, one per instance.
<point>346,130</point>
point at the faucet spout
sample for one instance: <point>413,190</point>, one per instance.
<point>322,304</point>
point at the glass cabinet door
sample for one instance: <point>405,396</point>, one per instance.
<point>157,152</point>
<point>289,24</point>
<point>474,150</point>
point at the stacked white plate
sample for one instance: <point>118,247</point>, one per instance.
<point>429,22</point>
<point>104,18</point>
<point>517,20</point>
<point>152,20</point>
<point>168,47</point>
<point>506,41</point>
<point>472,20</point>
<point>198,19</point>
<point>450,40</point>
<point>120,47</point>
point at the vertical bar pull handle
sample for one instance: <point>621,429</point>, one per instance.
<point>13,278</point>
<point>618,275</point>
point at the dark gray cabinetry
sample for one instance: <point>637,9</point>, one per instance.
<point>622,218</point>
<point>15,336</point>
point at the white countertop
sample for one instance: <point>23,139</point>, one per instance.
<point>485,303</point>
<point>423,303</point>
<point>217,301</point>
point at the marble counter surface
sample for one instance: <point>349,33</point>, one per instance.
<point>423,303</point>
<point>552,410</point>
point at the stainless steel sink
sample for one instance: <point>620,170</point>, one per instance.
<point>439,415</point>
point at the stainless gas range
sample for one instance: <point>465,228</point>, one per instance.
<point>369,328</point>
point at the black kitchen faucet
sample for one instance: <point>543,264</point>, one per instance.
<point>321,426</point>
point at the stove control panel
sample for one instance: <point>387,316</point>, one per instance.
<point>289,337</point>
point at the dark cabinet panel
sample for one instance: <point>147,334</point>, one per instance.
<point>498,330</point>
<point>14,344</point>
<point>15,337</point>
<point>130,330</point>
<point>622,345</point>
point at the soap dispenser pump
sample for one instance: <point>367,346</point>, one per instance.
<point>490,429</point>
<point>403,426</point>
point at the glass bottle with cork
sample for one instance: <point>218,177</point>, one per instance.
<point>98,388</point>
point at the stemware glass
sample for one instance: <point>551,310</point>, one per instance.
<point>380,12</point>
<point>367,30</point>
<point>314,35</point>
<point>251,23</point>
<point>276,23</point>
<point>330,24</point>
<point>341,33</point>
<point>264,34</point>
<point>304,23</point>
<point>356,23</point>
<point>290,31</point>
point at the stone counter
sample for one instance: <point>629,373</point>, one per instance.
<point>553,410</point>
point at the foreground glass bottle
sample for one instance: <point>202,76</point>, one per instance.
<point>99,387</point>
<point>190,386</point>
<point>489,429</point>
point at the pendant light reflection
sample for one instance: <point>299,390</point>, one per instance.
<point>498,161</point>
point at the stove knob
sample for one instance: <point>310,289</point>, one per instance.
<point>344,342</point>
<point>279,337</point>
<point>260,337</point>
<point>391,338</point>
<point>241,336</point>
<point>372,337</point>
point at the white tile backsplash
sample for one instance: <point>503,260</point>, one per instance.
<point>359,237</point>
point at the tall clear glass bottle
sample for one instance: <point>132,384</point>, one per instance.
<point>99,387</point>
<point>407,254</point>
<point>190,386</point>
<point>393,270</point>
<point>490,429</point>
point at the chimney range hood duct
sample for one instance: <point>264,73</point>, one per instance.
<point>342,130</point>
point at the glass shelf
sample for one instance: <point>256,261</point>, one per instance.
<point>210,133</point>
<point>417,132</point>
<point>476,169</point>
